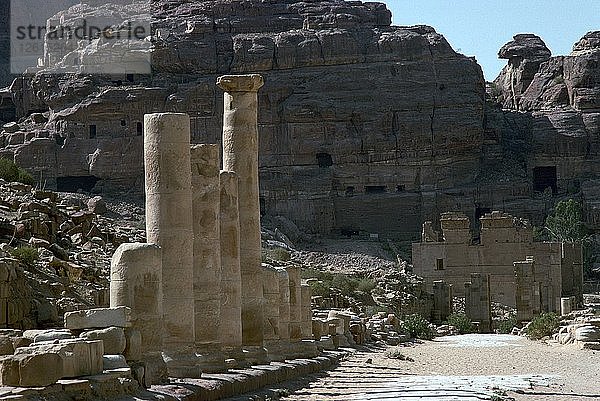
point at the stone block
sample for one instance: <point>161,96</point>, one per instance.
<point>9,371</point>
<point>587,333</point>
<point>112,337</point>
<point>39,369</point>
<point>47,335</point>
<point>6,345</point>
<point>30,370</point>
<point>98,318</point>
<point>79,357</point>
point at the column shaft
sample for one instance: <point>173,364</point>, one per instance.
<point>169,221</point>
<point>240,154</point>
<point>231,277</point>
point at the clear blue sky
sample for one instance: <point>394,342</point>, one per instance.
<point>480,27</point>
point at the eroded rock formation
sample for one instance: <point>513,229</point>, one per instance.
<point>363,126</point>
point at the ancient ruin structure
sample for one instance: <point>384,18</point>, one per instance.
<point>478,305</point>
<point>217,300</point>
<point>240,154</point>
<point>454,254</point>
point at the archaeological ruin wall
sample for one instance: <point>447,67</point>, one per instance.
<point>454,254</point>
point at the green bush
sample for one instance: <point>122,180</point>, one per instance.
<point>543,325</point>
<point>9,171</point>
<point>366,285</point>
<point>416,326</point>
<point>506,326</point>
<point>320,288</point>
<point>397,354</point>
<point>462,323</point>
<point>26,255</point>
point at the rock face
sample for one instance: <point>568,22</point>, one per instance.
<point>354,111</point>
<point>363,126</point>
<point>560,129</point>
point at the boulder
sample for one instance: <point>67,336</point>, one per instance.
<point>97,205</point>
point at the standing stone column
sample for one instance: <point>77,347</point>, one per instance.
<point>206,198</point>
<point>295,331</point>
<point>271,313</point>
<point>284,305</point>
<point>230,326</point>
<point>169,225</point>
<point>240,154</point>
<point>306,312</point>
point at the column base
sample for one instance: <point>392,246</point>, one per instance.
<point>234,357</point>
<point>278,350</point>
<point>303,349</point>
<point>255,354</point>
<point>327,343</point>
<point>154,370</point>
<point>182,364</point>
<point>211,359</point>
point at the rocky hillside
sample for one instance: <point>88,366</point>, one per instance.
<point>365,128</point>
<point>55,252</point>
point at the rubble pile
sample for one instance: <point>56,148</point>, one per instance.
<point>55,252</point>
<point>581,327</point>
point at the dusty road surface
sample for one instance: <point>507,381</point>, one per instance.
<point>462,368</point>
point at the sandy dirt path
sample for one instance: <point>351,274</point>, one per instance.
<point>465,368</point>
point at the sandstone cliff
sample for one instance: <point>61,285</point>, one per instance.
<point>364,126</point>
<point>559,120</point>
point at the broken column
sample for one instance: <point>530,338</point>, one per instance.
<point>442,301</point>
<point>478,301</point>
<point>240,154</point>
<point>271,313</point>
<point>206,198</point>
<point>136,283</point>
<point>169,225</point>
<point>230,325</point>
<point>284,305</point>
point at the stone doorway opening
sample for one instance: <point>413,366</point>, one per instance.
<point>544,177</point>
<point>76,183</point>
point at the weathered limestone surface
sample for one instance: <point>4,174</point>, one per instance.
<point>230,323</point>
<point>79,357</point>
<point>169,224</point>
<point>135,282</point>
<point>206,199</point>
<point>240,154</point>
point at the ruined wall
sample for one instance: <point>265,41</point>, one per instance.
<point>503,241</point>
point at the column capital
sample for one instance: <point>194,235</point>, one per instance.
<point>240,83</point>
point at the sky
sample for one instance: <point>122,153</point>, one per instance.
<point>481,27</point>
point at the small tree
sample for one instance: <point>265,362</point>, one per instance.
<point>566,222</point>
